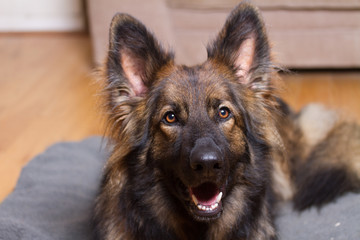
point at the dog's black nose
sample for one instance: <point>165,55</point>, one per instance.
<point>205,157</point>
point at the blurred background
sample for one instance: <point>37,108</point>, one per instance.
<point>50,48</point>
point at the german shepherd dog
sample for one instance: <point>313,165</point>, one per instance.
<point>207,152</point>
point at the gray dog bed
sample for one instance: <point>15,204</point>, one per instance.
<point>55,195</point>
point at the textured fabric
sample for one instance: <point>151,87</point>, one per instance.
<point>55,195</point>
<point>336,221</point>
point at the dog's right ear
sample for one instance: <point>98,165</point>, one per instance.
<point>242,44</point>
<point>134,57</point>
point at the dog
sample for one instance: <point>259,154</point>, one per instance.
<point>208,151</point>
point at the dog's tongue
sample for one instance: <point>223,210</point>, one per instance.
<point>206,193</point>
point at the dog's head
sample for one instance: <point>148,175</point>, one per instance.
<point>200,129</point>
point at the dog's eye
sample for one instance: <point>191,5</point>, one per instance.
<point>224,113</point>
<point>170,117</point>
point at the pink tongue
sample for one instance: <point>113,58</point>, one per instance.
<point>206,193</point>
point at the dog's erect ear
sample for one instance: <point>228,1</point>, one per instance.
<point>134,57</point>
<point>242,44</point>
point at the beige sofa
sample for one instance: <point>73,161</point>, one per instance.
<point>304,33</point>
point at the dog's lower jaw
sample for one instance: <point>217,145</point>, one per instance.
<point>206,216</point>
<point>210,219</point>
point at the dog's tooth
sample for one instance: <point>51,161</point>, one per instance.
<point>201,207</point>
<point>218,198</point>
<point>207,208</point>
<point>194,199</point>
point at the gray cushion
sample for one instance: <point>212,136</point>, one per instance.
<point>339,220</point>
<point>55,194</point>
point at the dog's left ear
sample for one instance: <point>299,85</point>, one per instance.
<point>242,44</point>
<point>134,57</point>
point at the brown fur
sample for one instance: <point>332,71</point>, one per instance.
<point>182,132</point>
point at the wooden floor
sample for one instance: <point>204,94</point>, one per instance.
<point>48,94</point>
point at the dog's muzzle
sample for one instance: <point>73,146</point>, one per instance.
<point>206,164</point>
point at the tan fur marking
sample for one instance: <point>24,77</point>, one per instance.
<point>233,207</point>
<point>283,186</point>
<point>316,121</point>
<point>160,208</point>
<point>264,229</point>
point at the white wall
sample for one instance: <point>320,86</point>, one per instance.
<point>41,15</point>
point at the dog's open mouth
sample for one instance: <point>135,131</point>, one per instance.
<point>207,199</point>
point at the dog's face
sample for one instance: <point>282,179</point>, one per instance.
<point>197,135</point>
<point>193,124</point>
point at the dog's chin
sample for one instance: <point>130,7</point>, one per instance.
<point>204,201</point>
